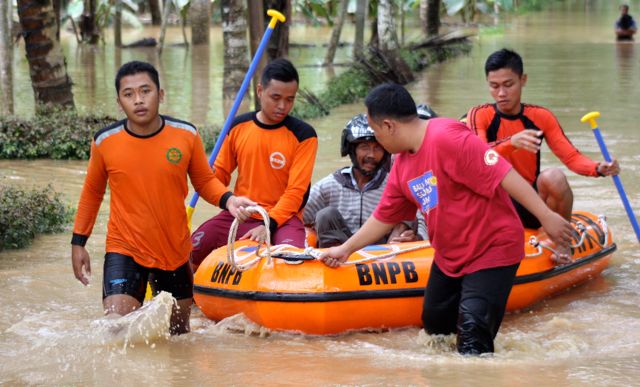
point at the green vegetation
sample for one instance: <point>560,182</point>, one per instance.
<point>24,214</point>
<point>61,135</point>
<point>356,82</point>
<point>57,135</point>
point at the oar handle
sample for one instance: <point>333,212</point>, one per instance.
<point>275,18</point>
<point>591,119</point>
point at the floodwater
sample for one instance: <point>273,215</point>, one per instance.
<point>587,336</point>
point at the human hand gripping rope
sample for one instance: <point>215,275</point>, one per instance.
<point>290,253</point>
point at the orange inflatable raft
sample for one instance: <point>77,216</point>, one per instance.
<point>381,286</point>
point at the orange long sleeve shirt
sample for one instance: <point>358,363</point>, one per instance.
<point>274,162</point>
<point>147,177</point>
<point>496,129</point>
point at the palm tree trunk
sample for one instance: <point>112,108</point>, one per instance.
<point>335,34</point>
<point>117,24</point>
<point>388,42</point>
<point>6,58</point>
<point>361,15</point>
<point>256,29</point>
<point>433,17</point>
<point>236,50</point>
<point>200,16</point>
<point>279,43</point>
<point>156,12</point>
<point>47,65</point>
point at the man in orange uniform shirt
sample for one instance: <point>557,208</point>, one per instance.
<point>274,154</point>
<point>516,129</point>
<point>145,158</point>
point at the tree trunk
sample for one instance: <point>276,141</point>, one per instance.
<point>6,57</point>
<point>163,29</point>
<point>388,42</point>
<point>47,65</point>
<point>156,12</point>
<point>279,44</point>
<point>433,17</point>
<point>88,28</point>
<point>200,16</point>
<point>361,16</point>
<point>57,6</point>
<point>117,24</point>
<point>236,51</point>
<point>256,30</point>
<point>200,87</point>
<point>335,35</point>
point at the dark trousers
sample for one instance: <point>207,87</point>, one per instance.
<point>332,229</point>
<point>471,306</point>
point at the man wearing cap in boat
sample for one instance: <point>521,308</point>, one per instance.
<point>515,130</point>
<point>340,203</point>
<point>274,154</point>
<point>462,187</point>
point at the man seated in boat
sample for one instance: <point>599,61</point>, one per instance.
<point>625,25</point>
<point>145,158</point>
<point>462,188</point>
<point>274,154</point>
<point>340,203</point>
<point>515,130</point>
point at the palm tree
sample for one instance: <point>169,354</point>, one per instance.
<point>279,43</point>
<point>200,15</point>
<point>6,55</point>
<point>335,35</point>
<point>388,42</point>
<point>236,50</point>
<point>47,65</point>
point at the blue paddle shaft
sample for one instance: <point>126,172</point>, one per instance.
<point>618,183</point>
<point>236,104</point>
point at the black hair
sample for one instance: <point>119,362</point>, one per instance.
<point>135,67</point>
<point>281,70</point>
<point>504,59</point>
<point>390,100</point>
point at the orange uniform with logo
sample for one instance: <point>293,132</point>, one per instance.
<point>497,128</point>
<point>274,162</point>
<point>147,178</point>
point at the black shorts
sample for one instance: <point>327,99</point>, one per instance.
<point>123,275</point>
<point>528,219</point>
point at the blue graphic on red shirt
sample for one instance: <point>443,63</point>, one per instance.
<point>425,190</point>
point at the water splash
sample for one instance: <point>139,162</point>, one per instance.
<point>145,325</point>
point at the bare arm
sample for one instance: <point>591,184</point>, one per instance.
<point>369,233</point>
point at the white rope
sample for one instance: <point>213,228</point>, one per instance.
<point>582,231</point>
<point>233,259</point>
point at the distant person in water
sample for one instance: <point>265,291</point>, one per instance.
<point>625,25</point>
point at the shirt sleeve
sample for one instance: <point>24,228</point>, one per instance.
<point>291,201</point>
<point>565,150</point>
<point>202,177</point>
<point>478,121</point>
<point>476,166</point>
<point>91,196</point>
<point>394,207</point>
<point>226,162</point>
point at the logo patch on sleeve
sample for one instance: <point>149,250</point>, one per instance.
<point>491,157</point>
<point>425,190</point>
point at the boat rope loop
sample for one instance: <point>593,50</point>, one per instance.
<point>270,251</point>
<point>582,233</point>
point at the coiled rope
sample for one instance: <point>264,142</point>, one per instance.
<point>582,232</point>
<point>236,261</point>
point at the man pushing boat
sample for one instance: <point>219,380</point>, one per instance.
<point>462,188</point>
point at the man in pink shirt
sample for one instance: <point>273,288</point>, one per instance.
<point>462,187</point>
